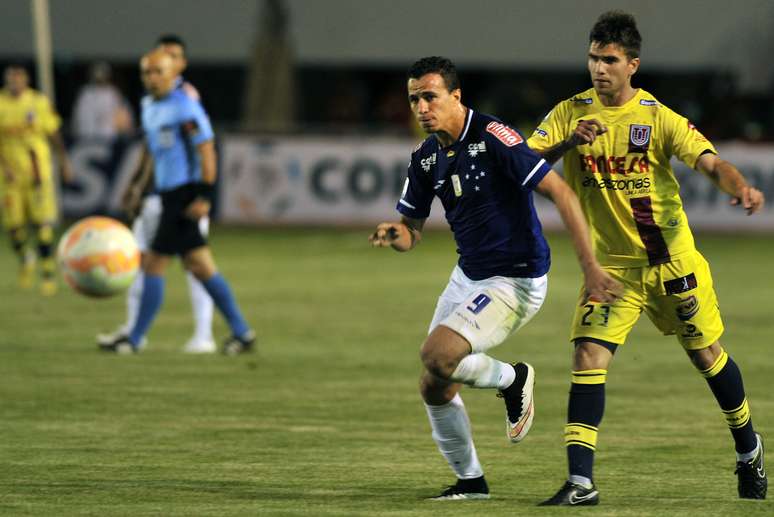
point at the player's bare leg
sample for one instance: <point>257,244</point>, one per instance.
<point>448,355</point>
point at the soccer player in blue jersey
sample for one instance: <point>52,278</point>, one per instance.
<point>180,140</point>
<point>144,206</point>
<point>484,174</point>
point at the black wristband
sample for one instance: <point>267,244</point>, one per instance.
<point>205,191</point>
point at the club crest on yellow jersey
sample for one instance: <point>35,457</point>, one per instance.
<point>639,138</point>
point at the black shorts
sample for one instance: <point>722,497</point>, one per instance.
<point>177,234</point>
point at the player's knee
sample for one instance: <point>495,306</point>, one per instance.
<point>200,271</point>
<point>436,360</point>
<point>706,357</point>
<point>590,356</point>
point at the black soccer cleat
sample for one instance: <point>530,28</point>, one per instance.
<point>464,489</point>
<point>120,346</point>
<point>572,494</point>
<point>519,402</point>
<point>752,476</point>
<point>236,345</point>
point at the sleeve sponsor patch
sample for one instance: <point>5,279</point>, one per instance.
<point>504,134</point>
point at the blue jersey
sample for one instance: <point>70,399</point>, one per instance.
<point>174,125</point>
<point>484,181</point>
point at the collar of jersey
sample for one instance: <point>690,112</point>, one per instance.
<point>468,119</point>
<point>637,96</point>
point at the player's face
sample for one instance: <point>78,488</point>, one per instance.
<point>435,107</point>
<point>611,70</point>
<point>177,53</point>
<point>16,80</point>
<point>157,73</point>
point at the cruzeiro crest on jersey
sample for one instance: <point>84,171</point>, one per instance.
<point>639,138</point>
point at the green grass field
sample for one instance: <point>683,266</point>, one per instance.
<point>326,420</point>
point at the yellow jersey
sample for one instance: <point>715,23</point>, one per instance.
<point>626,186</point>
<point>26,122</point>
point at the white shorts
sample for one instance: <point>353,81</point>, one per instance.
<point>147,222</point>
<point>486,312</point>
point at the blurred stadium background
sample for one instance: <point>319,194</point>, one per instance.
<point>308,102</point>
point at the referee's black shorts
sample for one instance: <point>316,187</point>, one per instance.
<point>177,234</point>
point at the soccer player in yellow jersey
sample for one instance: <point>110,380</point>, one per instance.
<point>27,124</point>
<point>617,141</point>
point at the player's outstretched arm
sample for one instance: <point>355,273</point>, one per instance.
<point>585,133</point>
<point>600,286</point>
<point>401,236</point>
<point>727,178</point>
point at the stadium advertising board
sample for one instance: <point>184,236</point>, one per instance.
<point>357,181</point>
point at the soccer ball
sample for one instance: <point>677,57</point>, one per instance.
<point>98,256</point>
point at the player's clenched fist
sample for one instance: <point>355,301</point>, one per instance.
<point>587,131</point>
<point>385,235</point>
<point>396,235</point>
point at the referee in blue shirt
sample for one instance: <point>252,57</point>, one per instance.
<point>180,139</point>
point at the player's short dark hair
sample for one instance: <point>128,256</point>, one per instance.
<point>171,39</point>
<point>16,65</point>
<point>617,28</point>
<point>436,65</point>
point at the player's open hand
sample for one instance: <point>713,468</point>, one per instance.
<point>751,199</point>
<point>587,131</point>
<point>386,234</point>
<point>601,287</point>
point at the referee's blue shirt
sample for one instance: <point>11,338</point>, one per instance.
<point>174,125</point>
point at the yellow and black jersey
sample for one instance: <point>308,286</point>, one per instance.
<point>624,181</point>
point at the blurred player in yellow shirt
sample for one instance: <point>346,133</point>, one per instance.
<point>28,124</point>
<point>617,142</point>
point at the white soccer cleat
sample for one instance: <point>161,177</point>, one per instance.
<point>519,402</point>
<point>200,346</point>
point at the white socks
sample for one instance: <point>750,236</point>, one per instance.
<point>201,303</point>
<point>482,371</point>
<point>133,296</point>
<point>451,431</point>
<point>581,480</point>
